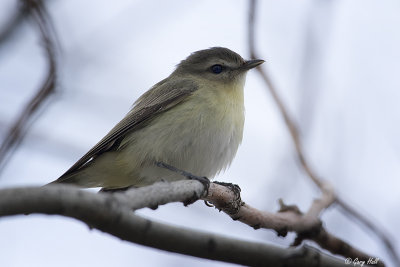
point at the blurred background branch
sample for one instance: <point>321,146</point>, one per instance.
<point>17,130</point>
<point>18,16</point>
<point>323,185</point>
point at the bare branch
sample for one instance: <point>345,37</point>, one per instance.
<point>19,128</point>
<point>159,194</point>
<point>328,195</point>
<point>291,125</point>
<point>17,17</point>
<point>288,219</point>
<point>109,214</point>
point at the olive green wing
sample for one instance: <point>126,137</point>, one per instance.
<point>160,98</point>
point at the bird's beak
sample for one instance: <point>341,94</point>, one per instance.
<point>249,64</point>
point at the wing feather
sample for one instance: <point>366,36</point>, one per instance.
<point>161,97</point>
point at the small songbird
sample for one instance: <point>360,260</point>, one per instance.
<point>192,120</point>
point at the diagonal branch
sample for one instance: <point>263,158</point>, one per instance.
<point>289,219</point>
<point>18,129</point>
<point>291,125</point>
<point>328,195</point>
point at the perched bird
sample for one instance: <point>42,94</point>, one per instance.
<point>192,120</point>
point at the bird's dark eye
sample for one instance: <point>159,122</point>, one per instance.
<point>217,69</point>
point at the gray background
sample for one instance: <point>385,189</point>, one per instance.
<point>335,63</point>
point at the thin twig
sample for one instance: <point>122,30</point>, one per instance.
<point>17,17</point>
<point>324,186</point>
<point>19,128</point>
<point>291,125</point>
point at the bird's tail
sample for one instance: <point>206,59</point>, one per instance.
<point>77,179</point>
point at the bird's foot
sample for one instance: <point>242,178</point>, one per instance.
<point>236,203</point>
<point>202,179</point>
<point>233,187</point>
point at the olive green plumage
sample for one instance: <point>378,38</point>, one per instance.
<point>192,120</point>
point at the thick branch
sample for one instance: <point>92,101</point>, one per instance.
<point>288,219</point>
<point>160,193</point>
<point>106,213</point>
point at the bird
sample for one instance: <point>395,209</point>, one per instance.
<point>192,121</point>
